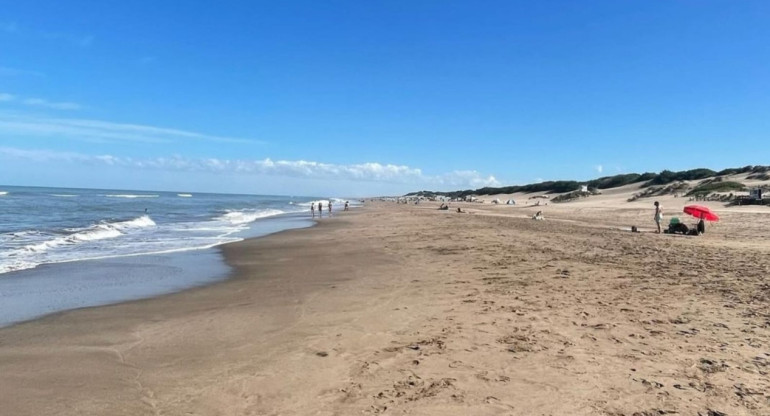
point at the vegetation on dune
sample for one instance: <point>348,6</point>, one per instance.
<point>652,191</point>
<point>619,180</point>
<point>708,187</point>
<point>667,176</point>
<point>736,171</point>
<point>663,183</point>
<point>571,196</point>
<point>548,187</point>
<point>759,176</point>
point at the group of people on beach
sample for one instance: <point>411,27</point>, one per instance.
<point>321,208</point>
<point>675,226</point>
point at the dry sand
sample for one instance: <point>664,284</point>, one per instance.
<point>404,309</point>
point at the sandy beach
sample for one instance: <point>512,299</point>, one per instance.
<point>404,309</point>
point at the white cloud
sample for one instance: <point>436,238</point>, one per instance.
<point>101,131</point>
<point>39,102</point>
<point>38,155</point>
<point>6,97</point>
<point>362,172</point>
<point>599,168</point>
<point>469,178</point>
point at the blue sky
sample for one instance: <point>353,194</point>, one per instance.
<point>363,98</point>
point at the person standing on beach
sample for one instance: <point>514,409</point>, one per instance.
<point>320,210</point>
<point>312,209</point>
<point>658,215</point>
<point>330,208</point>
<point>346,206</point>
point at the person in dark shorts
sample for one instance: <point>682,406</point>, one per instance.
<point>701,225</point>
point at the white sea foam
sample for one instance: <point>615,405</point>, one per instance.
<point>308,203</point>
<point>247,216</point>
<point>3,193</point>
<point>139,222</point>
<point>87,244</point>
<point>24,256</point>
<point>336,202</point>
<point>179,227</point>
<point>14,265</point>
<point>131,196</point>
<point>184,195</point>
<point>141,235</point>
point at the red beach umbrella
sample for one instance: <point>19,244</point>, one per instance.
<point>699,211</point>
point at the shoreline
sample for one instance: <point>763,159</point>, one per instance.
<point>53,288</point>
<point>116,322</point>
<point>404,309</point>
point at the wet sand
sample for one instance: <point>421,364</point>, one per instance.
<point>396,309</point>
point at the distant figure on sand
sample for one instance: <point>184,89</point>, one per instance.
<point>312,209</point>
<point>320,210</point>
<point>346,205</point>
<point>701,224</point>
<point>658,215</point>
<point>330,208</point>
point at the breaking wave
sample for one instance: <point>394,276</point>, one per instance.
<point>247,216</point>
<point>131,196</point>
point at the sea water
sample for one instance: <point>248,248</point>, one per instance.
<point>69,248</point>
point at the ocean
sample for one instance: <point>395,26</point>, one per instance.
<point>69,248</point>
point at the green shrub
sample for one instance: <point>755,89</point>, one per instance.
<point>572,196</point>
<point>759,176</point>
<point>614,181</point>
<point>709,187</point>
<point>667,176</point>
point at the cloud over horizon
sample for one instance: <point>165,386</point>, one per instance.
<point>361,172</point>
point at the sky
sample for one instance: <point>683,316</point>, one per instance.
<point>363,98</point>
